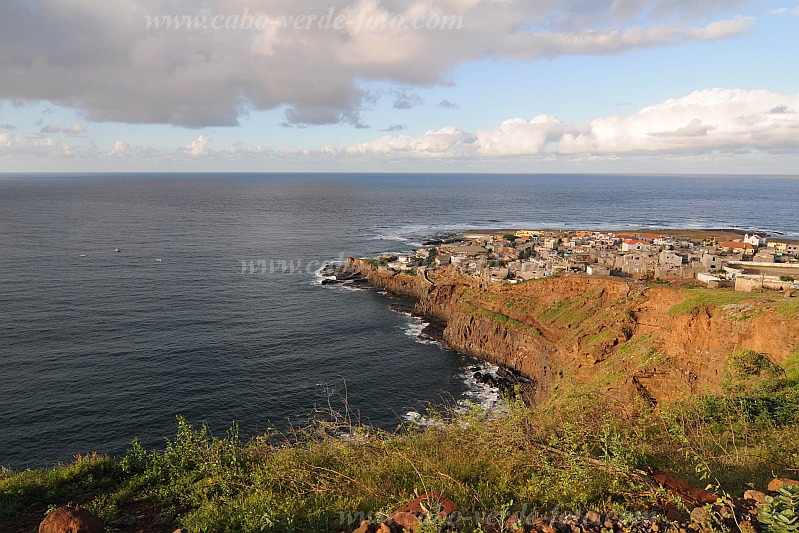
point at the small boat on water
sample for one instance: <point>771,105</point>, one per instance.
<point>82,256</point>
<point>117,250</point>
<point>157,259</point>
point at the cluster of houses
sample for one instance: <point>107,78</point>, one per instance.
<point>532,254</point>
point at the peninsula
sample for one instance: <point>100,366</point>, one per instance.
<point>649,314</point>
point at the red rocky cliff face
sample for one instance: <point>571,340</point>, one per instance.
<point>621,336</point>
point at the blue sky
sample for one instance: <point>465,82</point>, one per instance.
<point>668,86</point>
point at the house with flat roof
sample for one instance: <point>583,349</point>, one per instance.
<point>597,270</point>
<point>669,259</point>
<point>710,261</point>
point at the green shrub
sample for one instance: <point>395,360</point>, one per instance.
<point>780,514</point>
<point>750,363</point>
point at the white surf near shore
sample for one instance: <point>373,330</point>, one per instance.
<point>320,276</point>
<point>414,328</point>
<point>477,395</point>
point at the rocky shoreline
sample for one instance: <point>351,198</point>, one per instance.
<point>506,380</point>
<point>583,327</point>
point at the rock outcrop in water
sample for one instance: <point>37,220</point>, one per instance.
<point>632,339</point>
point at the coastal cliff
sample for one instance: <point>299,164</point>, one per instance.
<point>625,338</point>
<point>587,344</point>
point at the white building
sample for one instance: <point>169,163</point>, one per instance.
<point>704,277</point>
<point>755,240</point>
<point>597,270</point>
<point>634,246</point>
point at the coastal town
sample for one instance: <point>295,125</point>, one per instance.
<point>715,259</point>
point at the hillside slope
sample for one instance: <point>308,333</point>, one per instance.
<point>625,337</point>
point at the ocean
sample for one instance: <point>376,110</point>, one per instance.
<point>98,350</point>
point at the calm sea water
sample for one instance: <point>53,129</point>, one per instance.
<point>98,350</point>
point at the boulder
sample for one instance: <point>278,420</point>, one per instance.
<point>71,520</point>
<point>779,482</point>
<point>755,496</point>
<point>699,516</point>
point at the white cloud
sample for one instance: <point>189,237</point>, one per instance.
<point>18,146</point>
<point>120,148</point>
<point>446,142</point>
<point>715,130</point>
<point>711,119</point>
<point>198,147</point>
<point>520,137</point>
<point>701,122</point>
<point>99,56</point>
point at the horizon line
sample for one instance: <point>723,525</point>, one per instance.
<point>382,173</point>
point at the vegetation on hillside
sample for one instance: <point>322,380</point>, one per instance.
<point>581,450</point>
<point>697,298</point>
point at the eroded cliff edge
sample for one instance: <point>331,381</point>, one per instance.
<point>625,338</point>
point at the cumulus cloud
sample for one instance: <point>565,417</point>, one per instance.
<point>521,137</point>
<point>99,56</point>
<point>701,122</point>
<point>446,104</point>
<point>121,148</point>
<point>710,119</point>
<point>199,146</point>
<point>18,146</point>
<point>447,142</point>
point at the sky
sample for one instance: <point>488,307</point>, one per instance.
<point>624,86</point>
